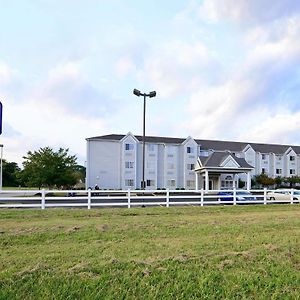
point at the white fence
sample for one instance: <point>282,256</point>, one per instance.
<point>137,198</point>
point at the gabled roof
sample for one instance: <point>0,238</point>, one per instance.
<point>216,158</point>
<point>148,139</point>
<point>207,144</point>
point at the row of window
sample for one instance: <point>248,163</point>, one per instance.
<point>130,182</point>
<point>151,147</point>
<point>151,165</point>
<point>279,171</point>
<point>129,147</point>
<point>170,183</point>
<point>278,157</point>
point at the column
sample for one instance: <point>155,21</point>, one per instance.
<point>196,181</point>
<point>206,181</point>
<point>234,181</point>
<point>248,181</point>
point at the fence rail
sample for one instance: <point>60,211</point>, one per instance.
<point>134,198</point>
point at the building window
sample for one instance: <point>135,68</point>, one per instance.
<point>278,157</point>
<point>189,150</point>
<point>171,166</point>
<point>150,182</point>
<point>151,147</point>
<point>263,171</point>
<point>129,182</point>
<point>129,147</point>
<point>151,165</point>
<point>170,155</point>
<point>190,166</point>
<point>129,164</point>
<point>292,158</point>
<point>292,171</point>
<point>190,183</point>
<point>171,183</point>
<point>263,156</point>
<point>278,171</point>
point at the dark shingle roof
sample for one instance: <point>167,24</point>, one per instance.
<point>207,144</point>
<point>148,139</point>
<point>216,158</point>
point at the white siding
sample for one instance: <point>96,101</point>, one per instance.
<point>103,164</point>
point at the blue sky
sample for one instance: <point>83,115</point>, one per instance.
<point>222,70</point>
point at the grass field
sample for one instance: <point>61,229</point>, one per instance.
<point>241,252</point>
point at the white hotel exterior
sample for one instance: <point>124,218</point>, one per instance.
<point>115,162</point>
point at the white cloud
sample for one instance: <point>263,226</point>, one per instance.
<point>280,128</point>
<point>245,11</point>
<point>251,92</point>
<point>6,74</point>
<point>70,89</point>
<point>124,66</point>
<point>51,127</point>
<point>178,67</point>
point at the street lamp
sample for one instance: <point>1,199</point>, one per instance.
<point>150,95</point>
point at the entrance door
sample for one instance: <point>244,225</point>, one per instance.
<point>210,185</point>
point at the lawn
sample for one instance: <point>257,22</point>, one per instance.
<point>241,252</point>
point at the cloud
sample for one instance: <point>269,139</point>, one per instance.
<point>178,67</point>
<point>282,128</point>
<point>255,91</point>
<point>124,66</point>
<point>6,74</point>
<point>10,83</point>
<point>67,88</point>
<point>245,11</point>
<point>51,127</point>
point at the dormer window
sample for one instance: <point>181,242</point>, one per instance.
<point>263,156</point>
<point>189,150</point>
<point>128,147</point>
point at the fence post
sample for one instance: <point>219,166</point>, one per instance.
<point>89,198</point>
<point>128,197</point>
<point>202,197</point>
<point>43,198</point>
<point>168,198</point>
<point>265,196</point>
<point>234,196</point>
<point>292,196</point>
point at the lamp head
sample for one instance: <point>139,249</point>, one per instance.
<point>137,92</point>
<point>152,94</point>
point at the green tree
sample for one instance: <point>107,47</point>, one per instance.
<point>10,173</point>
<point>292,180</point>
<point>264,180</point>
<point>278,181</point>
<point>47,168</point>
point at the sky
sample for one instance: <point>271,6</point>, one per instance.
<point>222,69</point>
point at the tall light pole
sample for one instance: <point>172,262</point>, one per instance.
<point>150,95</point>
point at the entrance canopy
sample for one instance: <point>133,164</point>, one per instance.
<point>210,168</point>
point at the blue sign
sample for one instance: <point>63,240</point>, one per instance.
<point>1,117</point>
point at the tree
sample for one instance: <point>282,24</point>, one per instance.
<point>264,180</point>
<point>292,180</point>
<point>47,168</point>
<point>10,173</point>
<point>278,181</point>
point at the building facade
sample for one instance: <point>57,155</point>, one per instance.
<point>115,161</point>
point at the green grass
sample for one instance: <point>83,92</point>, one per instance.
<point>242,252</point>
